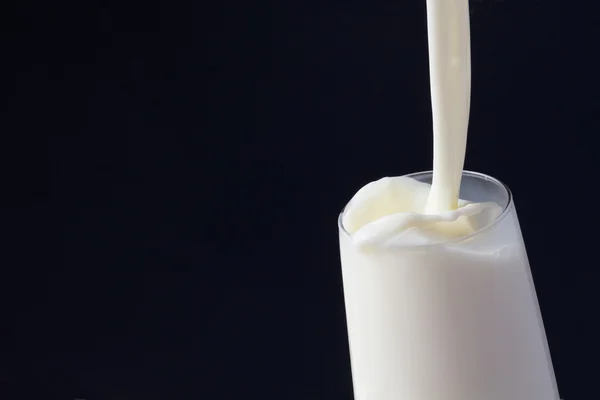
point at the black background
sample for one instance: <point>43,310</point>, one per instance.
<point>172,176</point>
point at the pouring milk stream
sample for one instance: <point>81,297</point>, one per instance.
<point>450,75</point>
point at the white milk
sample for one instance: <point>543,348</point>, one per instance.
<point>440,302</point>
<point>390,212</point>
<point>432,315</point>
<point>450,75</point>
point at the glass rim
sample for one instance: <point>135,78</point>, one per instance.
<point>473,174</point>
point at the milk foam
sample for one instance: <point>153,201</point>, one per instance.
<point>392,212</point>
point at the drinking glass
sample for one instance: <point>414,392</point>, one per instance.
<point>457,320</point>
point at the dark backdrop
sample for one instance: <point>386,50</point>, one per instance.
<point>172,176</point>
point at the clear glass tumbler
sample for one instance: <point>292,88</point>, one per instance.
<point>457,320</point>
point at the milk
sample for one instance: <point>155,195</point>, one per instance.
<point>433,315</point>
<point>450,76</point>
<point>440,302</point>
<point>390,212</point>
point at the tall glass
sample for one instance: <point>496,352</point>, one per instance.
<point>457,320</point>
